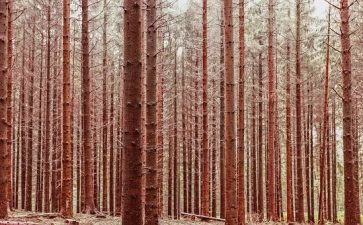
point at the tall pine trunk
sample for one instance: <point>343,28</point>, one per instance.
<point>325,137</point>
<point>132,162</point>
<point>29,175</point>
<point>104,114</point>
<point>221,119</point>
<point>241,117</point>
<point>9,100</point>
<point>67,160</point>
<point>196,142</point>
<point>151,205</point>
<point>230,129</point>
<point>4,201</point>
<point>351,190</point>
<point>47,117</point>
<point>299,158</point>
<point>86,114</point>
<point>289,153</point>
<point>272,212</point>
<point>205,155</point>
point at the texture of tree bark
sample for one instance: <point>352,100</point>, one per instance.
<point>151,205</point>
<point>67,184</point>
<point>351,190</point>
<point>205,156</point>
<point>132,161</point>
<point>230,129</point>
<point>4,151</point>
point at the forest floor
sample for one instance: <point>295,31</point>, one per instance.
<point>84,219</point>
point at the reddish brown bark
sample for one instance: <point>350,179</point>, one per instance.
<point>104,113</point>
<point>160,134</point>
<point>351,190</point>
<point>9,100</point>
<point>289,153</point>
<point>86,114</point>
<point>248,169</point>
<point>47,117</point>
<point>231,167</point>
<point>328,172</point>
<point>67,160</point>
<point>151,205</point>
<point>170,172</point>
<point>259,157</point>
<point>112,150</point>
<point>39,193</point>
<point>325,137</point>
<point>29,175</point>
<point>54,175</point>
<point>175,142</point>
<point>132,161</point>
<point>190,139</point>
<point>299,161</point>
<point>4,181</point>
<point>272,213</point>
<point>119,142</point>
<point>307,156</point>
<point>221,119</point>
<point>241,117</point>
<point>334,164</point>
<point>196,142</point>
<point>96,168</point>
<point>214,153</point>
<point>205,156</point>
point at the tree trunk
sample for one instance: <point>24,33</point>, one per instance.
<point>241,117</point>
<point>112,151</point>
<point>196,142</point>
<point>47,117</point>
<point>334,164</point>
<point>351,190</point>
<point>54,177</point>
<point>289,153</point>
<point>170,172</point>
<point>29,175</point>
<point>86,114</point>
<point>184,144</point>
<point>230,129</point>
<point>4,181</point>
<point>104,113</point>
<point>176,143</point>
<point>132,162</point>
<point>299,162</point>
<point>221,119</point>
<point>190,139</point>
<point>259,158</point>
<point>205,155</point>
<point>160,133</point>
<point>311,155</point>
<point>254,199</point>
<point>214,152</point>
<point>271,117</point>
<point>151,205</point>
<point>67,160</point>
<point>39,193</point>
<point>325,137</point>
<point>9,100</point>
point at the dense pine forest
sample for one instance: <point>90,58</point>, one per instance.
<point>148,112</point>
